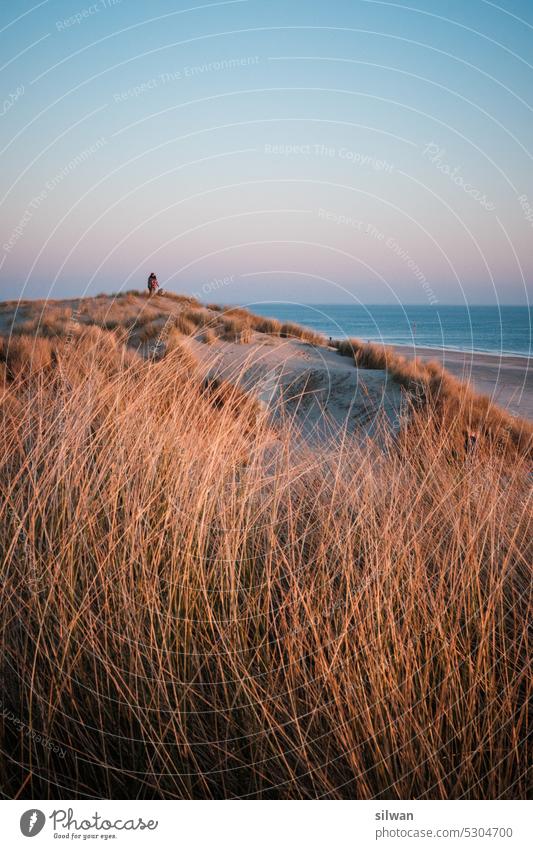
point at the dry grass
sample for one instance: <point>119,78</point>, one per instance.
<point>49,322</point>
<point>178,350</point>
<point>185,300</point>
<point>290,330</point>
<point>272,326</point>
<point>365,354</point>
<point>184,325</point>
<point>268,325</point>
<point>239,314</point>
<point>23,355</point>
<point>199,317</point>
<point>193,606</point>
<point>454,406</point>
<point>236,329</point>
<point>150,330</point>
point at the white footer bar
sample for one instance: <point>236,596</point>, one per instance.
<point>267,824</point>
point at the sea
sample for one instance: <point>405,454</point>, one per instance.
<point>504,330</point>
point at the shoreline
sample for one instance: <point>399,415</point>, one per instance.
<point>400,346</point>
<point>490,356</point>
<point>463,351</point>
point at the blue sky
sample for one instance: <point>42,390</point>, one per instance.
<point>310,151</point>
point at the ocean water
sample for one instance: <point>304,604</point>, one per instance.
<point>498,330</point>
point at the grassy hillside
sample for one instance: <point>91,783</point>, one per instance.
<point>194,603</point>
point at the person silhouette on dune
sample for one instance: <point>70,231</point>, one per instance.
<point>153,285</point>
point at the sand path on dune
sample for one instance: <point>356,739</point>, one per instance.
<point>321,391</point>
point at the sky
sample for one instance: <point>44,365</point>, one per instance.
<point>248,150</point>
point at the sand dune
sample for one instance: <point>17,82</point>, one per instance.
<point>320,391</point>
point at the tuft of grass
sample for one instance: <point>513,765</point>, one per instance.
<point>268,325</point>
<point>236,329</point>
<point>199,317</point>
<point>150,330</point>
<point>52,321</point>
<point>25,355</point>
<point>290,330</point>
<point>177,348</point>
<point>239,314</point>
<point>184,325</point>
